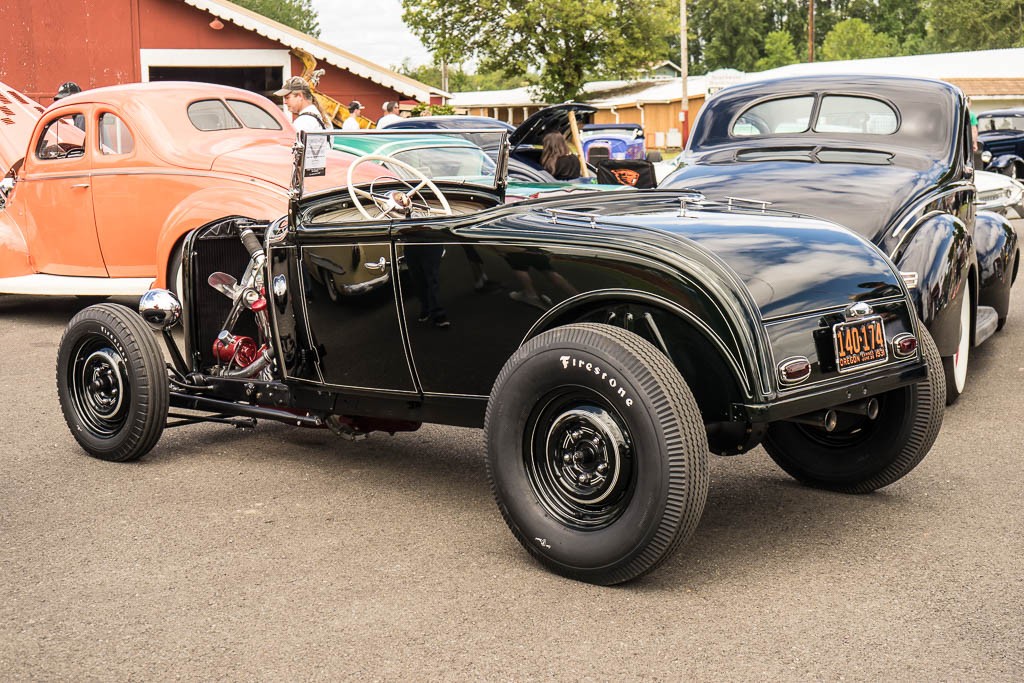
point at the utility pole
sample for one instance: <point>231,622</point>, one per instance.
<point>684,105</point>
<point>810,30</point>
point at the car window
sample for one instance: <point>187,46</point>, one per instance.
<point>115,138</point>
<point>63,138</point>
<point>253,116</point>
<point>988,123</point>
<point>440,162</point>
<point>212,115</point>
<point>784,115</point>
<point>846,114</point>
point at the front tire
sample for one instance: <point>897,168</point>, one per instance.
<point>596,453</point>
<point>112,383</point>
<point>862,455</point>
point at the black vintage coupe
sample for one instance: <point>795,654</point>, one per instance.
<point>605,342</point>
<point>1001,141</point>
<point>889,157</point>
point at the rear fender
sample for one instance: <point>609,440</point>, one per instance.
<point>940,251</point>
<point>209,205</point>
<point>996,243</point>
<point>709,364</point>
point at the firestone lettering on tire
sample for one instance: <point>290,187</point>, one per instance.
<point>589,366</point>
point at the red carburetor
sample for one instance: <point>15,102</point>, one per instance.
<point>228,348</point>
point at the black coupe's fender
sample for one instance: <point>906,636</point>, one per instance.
<point>998,254</point>
<point>939,251</point>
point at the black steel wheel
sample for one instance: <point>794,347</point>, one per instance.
<point>596,452</point>
<point>861,454</point>
<point>112,383</point>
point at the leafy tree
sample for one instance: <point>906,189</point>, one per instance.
<point>974,25</point>
<point>566,43</point>
<point>460,80</point>
<point>855,39</point>
<point>729,32</point>
<point>778,51</point>
<point>299,14</point>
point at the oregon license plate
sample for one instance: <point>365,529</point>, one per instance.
<point>859,343</point>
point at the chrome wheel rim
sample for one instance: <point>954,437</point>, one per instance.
<point>579,460</point>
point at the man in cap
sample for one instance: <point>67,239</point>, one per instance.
<point>390,114</point>
<point>65,90</point>
<point>354,110</point>
<point>299,101</point>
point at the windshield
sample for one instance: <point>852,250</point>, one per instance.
<point>990,123</point>
<point>336,159</point>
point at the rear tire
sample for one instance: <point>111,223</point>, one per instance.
<point>955,366</point>
<point>596,453</point>
<point>112,383</point>
<point>863,455</point>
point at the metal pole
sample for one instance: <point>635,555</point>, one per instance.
<point>684,105</point>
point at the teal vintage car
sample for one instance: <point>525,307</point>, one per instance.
<point>452,157</point>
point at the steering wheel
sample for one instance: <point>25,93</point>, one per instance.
<point>396,201</point>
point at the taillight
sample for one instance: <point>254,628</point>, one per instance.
<point>904,345</point>
<point>794,370</point>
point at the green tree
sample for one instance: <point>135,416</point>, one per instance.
<point>855,39</point>
<point>778,51</point>
<point>566,43</point>
<point>460,80</point>
<point>729,31</point>
<point>299,14</point>
<point>974,25</point>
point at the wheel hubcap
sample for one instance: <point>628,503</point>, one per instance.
<point>581,464</point>
<point>99,388</point>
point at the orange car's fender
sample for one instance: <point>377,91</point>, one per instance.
<point>14,254</point>
<point>210,204</point>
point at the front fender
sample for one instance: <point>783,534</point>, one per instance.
<point>996,243</point>
<point>940,251</point>
<point>209,205</point>
<point>14,252</point>
<point>1001,162</point>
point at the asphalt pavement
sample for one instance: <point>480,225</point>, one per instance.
<point>284,554</point>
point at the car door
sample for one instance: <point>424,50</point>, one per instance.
<point>57,192</point>
<point>348,274</point>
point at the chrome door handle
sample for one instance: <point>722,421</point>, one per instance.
<point>80,185</point>
<point>379,265</point>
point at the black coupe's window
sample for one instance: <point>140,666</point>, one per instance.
<point>786,115</point>
<point>212,115</point>
<point>846,114</point>
<point>253,116</point>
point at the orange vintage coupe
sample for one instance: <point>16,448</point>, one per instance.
<point>100,189</point>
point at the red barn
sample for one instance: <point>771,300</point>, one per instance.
<point>106,42</point>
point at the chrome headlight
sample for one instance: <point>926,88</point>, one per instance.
<point>986,156</point>
<point>160,308</point>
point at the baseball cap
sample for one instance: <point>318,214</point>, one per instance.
<point>293,84</point>
<point>353,105</point>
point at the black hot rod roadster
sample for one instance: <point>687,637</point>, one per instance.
<point>606,342</point>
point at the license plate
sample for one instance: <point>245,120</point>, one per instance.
<point>859,343</point>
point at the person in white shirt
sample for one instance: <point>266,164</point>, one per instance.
<point>299,101</point>
<point>354,110</point>
<point>390,116</point>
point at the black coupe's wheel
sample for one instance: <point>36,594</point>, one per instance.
<point>955,366</point>
<point>112,383</point>
<point>862,455</point>
<point>1011,171</point>
<point>596,452</point>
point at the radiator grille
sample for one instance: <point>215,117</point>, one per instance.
<point>211,254</point>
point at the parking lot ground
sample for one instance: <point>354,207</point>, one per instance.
<point>287,554</point>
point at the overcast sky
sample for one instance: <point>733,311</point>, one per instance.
<point>371,29</point>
